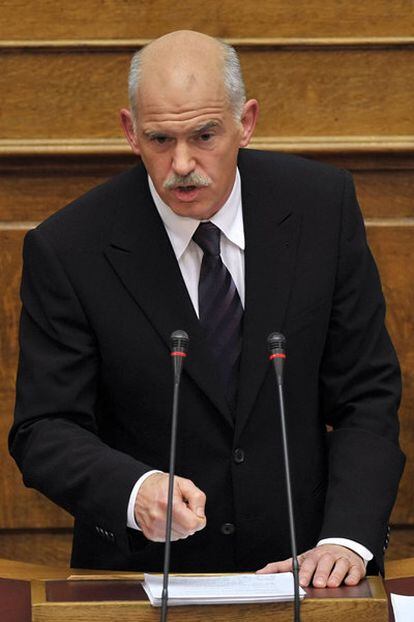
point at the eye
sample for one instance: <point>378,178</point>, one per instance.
<point>205,137</point>
<point>159,139</point>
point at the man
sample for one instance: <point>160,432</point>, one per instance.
<point>106,281</point>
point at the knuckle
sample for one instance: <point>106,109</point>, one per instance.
<point>162,504</point>
<point>192,525</point>
<point>153,515</point>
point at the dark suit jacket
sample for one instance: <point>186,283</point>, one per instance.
<point>102,292</point>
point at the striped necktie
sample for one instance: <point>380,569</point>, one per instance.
<point>220,309</point>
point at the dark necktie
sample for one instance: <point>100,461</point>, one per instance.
<point>220,309</point>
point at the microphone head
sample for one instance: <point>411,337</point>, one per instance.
<point>179,341</point>
<point>276,342</point>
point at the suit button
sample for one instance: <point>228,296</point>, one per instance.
<point>238,455</point>
<point>228,529</point>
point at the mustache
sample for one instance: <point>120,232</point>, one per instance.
<point>192,179</point>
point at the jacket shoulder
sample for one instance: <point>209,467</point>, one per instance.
<point>89,216</point>
<point>275,166</point>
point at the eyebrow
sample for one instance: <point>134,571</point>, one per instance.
<point>153,133</point>
<point>204,127</point>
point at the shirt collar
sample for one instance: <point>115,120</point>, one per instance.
<point>180,229</point>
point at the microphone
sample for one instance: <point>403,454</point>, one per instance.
<point>276,343</point>
<point>179,344</point>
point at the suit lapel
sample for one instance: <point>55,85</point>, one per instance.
<point>272,229</point>
<point>141,255</point>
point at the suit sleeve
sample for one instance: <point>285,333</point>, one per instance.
<point>360,393</point>
<point>54,439</point>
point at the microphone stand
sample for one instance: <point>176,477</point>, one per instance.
<point>277,354</point>
<point>179,343</point>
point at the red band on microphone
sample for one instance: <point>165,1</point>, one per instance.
<point>178,354</point>
<point>277,356</point>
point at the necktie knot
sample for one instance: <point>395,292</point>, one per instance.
<point>207,237</point>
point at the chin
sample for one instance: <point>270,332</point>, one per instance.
<point>194,211</point>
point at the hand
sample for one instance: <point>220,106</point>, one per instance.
<point>188,514</point>
<point>328,564</point>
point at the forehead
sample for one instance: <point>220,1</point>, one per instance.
<point>181,92</point>
<point>178,112</point>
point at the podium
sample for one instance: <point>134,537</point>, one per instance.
<point>49,594</point>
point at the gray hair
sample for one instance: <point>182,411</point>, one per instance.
<point>232,76</point>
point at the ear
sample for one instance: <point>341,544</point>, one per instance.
<point>128,127</point>
<point>248,120</point>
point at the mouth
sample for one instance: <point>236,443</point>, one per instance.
<point>187,193</point>
<point>186,188</point>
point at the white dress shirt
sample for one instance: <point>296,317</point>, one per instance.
<point>180,230</point>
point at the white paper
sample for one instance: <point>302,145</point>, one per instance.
<point>403,607</point>
<point>222,589</point>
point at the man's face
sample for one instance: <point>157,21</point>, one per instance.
<point>188,139</point>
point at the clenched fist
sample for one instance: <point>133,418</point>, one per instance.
<point>188,515</point>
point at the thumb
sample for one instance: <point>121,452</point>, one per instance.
<point>194,497</point>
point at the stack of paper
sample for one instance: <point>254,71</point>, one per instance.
<point>403,607</point>
<point>222,589</point>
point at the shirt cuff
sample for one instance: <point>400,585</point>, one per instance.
<point>131,522</point>
<point>349,544</point>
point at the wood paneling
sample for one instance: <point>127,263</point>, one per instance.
<point>19,507</point>
<point>393,249</point>
<point>32,189</point>
<point>10,270</point>
<point>385,193</point>
<point>401,543</point>
<point>114,19</point>
<point>315,92</point>
<point>38,547</point>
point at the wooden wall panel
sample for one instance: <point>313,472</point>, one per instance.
<point>19,507</point>
<point>313,92</point>
<point>35,188</point>
<point>385,193</point>
<point>10,270</point>
<point>56,95</point>
<point>393,249</point>
<point>331,92</point>
<point>114,19</point>
<point>401,543</point>
<point>37,546</point>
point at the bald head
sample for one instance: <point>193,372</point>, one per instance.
<point>182,46</point>
<point>185,61</point>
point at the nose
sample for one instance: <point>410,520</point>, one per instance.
<point>183,161</point>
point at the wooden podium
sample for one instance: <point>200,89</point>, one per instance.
<point>47,594</point>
